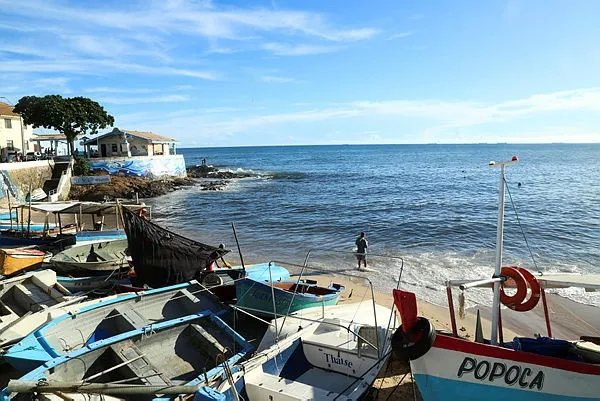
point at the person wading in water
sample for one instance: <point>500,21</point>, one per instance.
<point>361,249</point>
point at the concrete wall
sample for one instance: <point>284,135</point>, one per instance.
<point>152,167</point>
<point>18,176</point>
<point>14,133</point>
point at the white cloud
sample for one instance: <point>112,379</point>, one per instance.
<point>282,49</point>
<point>437,116</point>
<point>98,67</point>
<point>400,35</point>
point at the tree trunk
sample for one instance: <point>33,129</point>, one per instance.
<point>72,149</point>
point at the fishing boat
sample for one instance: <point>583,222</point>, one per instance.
<point>30,300</point>
<point>14,260</point>
<point>94,282</point>
<point>284,297</point>
<point>221,281</point>
<point>95,257</point>
<point>317,354</point>
<point>161,257</point>
<point>159,361</point>
<point>446,366</point>
<point>109,318</point>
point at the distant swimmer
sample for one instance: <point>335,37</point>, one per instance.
<point>361,249</point>
<point>519,185</point>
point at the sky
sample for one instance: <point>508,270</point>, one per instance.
<point>244,73</point>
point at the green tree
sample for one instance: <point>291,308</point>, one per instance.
<point>69,116</point>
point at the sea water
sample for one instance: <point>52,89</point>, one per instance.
<point>433,206</point>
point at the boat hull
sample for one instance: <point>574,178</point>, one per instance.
<point>459,369</point>
<point>16,260</point>
<point>257,297</point>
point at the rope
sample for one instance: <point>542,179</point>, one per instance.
<point>520,226</point>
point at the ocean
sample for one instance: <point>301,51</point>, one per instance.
<point>433,207</point>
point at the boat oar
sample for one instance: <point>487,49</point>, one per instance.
<point>28,386</point>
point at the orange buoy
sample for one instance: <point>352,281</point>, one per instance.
<point>512,300</point>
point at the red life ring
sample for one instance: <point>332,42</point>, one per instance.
<point>519,279</point>
<point>536,290</point>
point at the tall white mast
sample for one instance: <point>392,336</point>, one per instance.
<point>499,241</point>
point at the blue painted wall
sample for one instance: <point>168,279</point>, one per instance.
<point>148,167</point>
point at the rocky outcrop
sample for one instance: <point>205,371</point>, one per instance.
<point>206,178</point>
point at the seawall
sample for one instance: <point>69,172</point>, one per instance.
<point>149,167</point>
<point>18,177</point>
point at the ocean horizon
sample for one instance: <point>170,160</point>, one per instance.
<point>433,205</point>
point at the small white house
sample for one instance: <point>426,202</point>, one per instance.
<point>13,133</point>
<point>125,143</point>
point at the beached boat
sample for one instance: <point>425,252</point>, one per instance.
<point>283,297</point>
<point>221,281</point>
<point>159,361</point>
<point>161,257</point>
<point>14,238</point>
<point>109,318</point>
<point>30,300</point>
<point>94,282</point>
<point>446,366</point>
<point>317,354</point>
<point>14,260</point>
<point>96,257</point>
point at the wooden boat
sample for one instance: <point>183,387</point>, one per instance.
<point>155,362</point>
<point>284,297</point>
<point>221,281</point>
<point>446,366</point>
<point>317,354</point>
<point>161,257</point>
<point>14,260</point>
<point>109,318</point>
<point>30,300</point>
<point>91,283</point>
<point>14,238</point>
<point>95,257</point>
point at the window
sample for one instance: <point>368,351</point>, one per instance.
<point>7,123</point>
<point>9,144</point>
<point>115,148</point>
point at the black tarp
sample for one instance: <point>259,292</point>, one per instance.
<point>161,257</point>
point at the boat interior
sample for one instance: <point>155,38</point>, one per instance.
<point>308,287</point>
<point>320,365</point>
<point>173,356</point>
<point>97,252</point>
<point>30,294</point>
<point>134,313</point>
<point>585,350</point>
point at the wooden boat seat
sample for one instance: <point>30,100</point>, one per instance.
<point>7,314</point>
<point>141,367</point>
<point>32,298</point>
<point>206,341</point>
<point>130,319</point>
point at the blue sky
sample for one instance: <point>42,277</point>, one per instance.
<point>276,72</point>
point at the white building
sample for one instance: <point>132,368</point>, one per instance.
<point>13,135</point>
<point>125,143</point>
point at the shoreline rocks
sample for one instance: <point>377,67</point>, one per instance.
<point>205,177</point>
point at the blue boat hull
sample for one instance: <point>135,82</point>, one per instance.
<point>257,297</point>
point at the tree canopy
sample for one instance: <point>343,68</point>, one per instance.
<point>69,116</point>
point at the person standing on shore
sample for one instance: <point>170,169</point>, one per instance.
<point>361,249</point>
